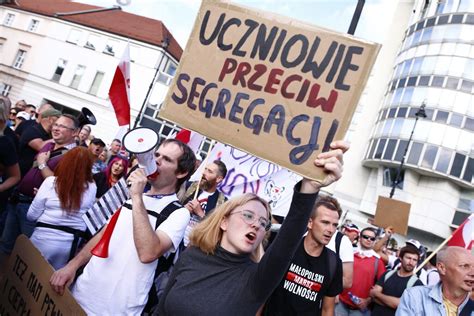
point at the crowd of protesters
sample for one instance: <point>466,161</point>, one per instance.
<point>181,248</point>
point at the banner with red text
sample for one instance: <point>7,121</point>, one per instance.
<point>272,86</point>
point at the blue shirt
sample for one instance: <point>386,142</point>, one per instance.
<point>424,300</point>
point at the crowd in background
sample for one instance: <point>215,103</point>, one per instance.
<point>53,170</point>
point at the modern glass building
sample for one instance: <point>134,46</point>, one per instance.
<point>434,67</point>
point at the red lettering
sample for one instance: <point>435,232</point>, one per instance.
<point>242,70</point>
<point>327,105</point>
<point>260,69</point>
<point>273,80</point>
<point>229,66</point>
<point>286,83</point>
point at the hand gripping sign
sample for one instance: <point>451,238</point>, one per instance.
<point>274,87</point>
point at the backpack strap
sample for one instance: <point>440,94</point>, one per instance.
<point>376,267</point>
<point>338,240</point>
<point>412,281</point>
<point>332,264</point>
<point>388,275</point>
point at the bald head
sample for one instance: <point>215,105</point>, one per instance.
<point>456,271</point>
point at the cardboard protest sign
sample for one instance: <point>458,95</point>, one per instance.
<point>25,289</point>
<point>393,213</point>
<point>269,85</point>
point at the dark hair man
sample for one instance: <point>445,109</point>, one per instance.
<point>208,198</point>
<point>119,284</point>
<point>451,295</point>
<point>314,277</point>
<point>96,147</point>
<point>63,132</point>
<point>36,136</point>
<point>390,287</point>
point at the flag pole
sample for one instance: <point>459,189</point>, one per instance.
<point>204,162</point>
<point>164,45</point>
<point>434,253</point>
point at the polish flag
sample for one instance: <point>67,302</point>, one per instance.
<point>464,234</point>
<point>119,92</point>
<point>192,139</point>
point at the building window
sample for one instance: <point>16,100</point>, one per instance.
<point>5,89</point>
<point>389,176</point>
<point>96,83</point>
<point>76,79</point>
<point>19,59</point>
<point>458,165</point>
<point>33,25</point>
<point>59,70</point>
<point>429,156</point>
<point>74,36</point>
<point>9,18</point>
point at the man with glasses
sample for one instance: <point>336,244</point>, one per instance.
<point>368,268</point>
<point>314,277</point>
<point>451,295</point>
<point>64,130</point>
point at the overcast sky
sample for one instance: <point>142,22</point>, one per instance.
<point>179,15</point>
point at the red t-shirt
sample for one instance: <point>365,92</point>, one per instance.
<point>363,278</point>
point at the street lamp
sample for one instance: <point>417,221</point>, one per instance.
<point>420,113</point>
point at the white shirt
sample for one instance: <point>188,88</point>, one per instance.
<point>119,284</point>
<point>346,252</point>
<point>55,244</point>
<point>202,198</point>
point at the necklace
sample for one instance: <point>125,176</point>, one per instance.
<point>159,196</point>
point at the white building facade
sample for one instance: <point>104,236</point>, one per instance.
<point>48,59</point>
<point>426,58</point>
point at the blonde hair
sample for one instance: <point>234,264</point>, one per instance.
<point>207,234</point>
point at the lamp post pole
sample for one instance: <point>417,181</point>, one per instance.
<point>164,45</point>
<point>420,113</point>
<point>356,16</point>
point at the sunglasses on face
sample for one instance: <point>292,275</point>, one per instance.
<point>368,237</point>
<point>250,218</point>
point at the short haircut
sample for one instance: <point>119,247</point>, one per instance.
<point>86,127</point>
<point>371,229</point>
<point>186,162</point>
<point>73,119</point>
<point>409,249</point>
<point>221,167</point>
<point>117,140</point>
<point>328,202</point>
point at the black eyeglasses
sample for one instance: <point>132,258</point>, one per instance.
<point>368,237</point>
<point>250,218</point>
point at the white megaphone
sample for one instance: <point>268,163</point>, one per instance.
<point>141,141</point>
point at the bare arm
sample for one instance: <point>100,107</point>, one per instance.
<point>347,271</point>
<point>38,143</point>
<point>150,245</point>
<point>14,177</point>
<point>64,276</point>
<point>382,299</point>
<point>328,305</point>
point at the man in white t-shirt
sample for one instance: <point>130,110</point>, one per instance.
<point>209,197</point>
<point>119,284</point>
<point>342,246</point>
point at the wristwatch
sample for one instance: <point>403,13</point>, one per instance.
<point>41,166</point>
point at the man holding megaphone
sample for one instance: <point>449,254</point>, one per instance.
<point>119,283</point>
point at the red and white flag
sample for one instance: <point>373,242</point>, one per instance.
<point>191,138</point>
<point>464,234</point>
<point>119,92</point>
